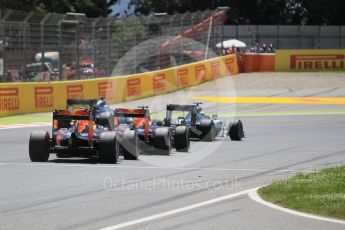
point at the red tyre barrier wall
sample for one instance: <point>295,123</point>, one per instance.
<point>253,62</point>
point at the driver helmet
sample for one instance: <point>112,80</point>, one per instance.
<point>101,103</point>
<point>198,109</point>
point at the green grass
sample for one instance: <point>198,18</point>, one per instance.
<point>321,193</point>
<point>23,119</point>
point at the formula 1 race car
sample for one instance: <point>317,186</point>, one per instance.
<point>200,125</point>
<point>104,114</point>
<point>85,132</point>
<point>126,132</point>
<point>125,136</point>
<point>162,139</point>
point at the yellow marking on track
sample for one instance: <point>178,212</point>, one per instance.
<point>274,100</point>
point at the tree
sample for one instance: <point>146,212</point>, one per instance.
<point>92,8</point>
<point>256,11</point>
<point>324,12</point>
<point>266,11</point>
<point>241,11</point>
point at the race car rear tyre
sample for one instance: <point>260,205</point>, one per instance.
<point>39,146</point>
<point>182,139</point>
<point>208,130</point>
<point>106,120</point>
<point>108,148</point>
<point>236,132</point>
<point>129,145</point>
<point>162,141</point>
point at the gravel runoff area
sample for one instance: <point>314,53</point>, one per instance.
<point>289,80</point>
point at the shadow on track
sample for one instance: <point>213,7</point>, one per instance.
<point>75,160</point>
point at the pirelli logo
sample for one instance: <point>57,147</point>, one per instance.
<point>200,73</point>
<point>105,89</point>
<point>230,65</point>
<point>317,61</point>
<point>133,87</point>
<point>9,99</point>
<point>182,77</point>
<point>44,97</point>
<point>159,83</point>
<point>75,91</point>
<point>215,68</point>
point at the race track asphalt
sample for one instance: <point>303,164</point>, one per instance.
<point>82,194</point>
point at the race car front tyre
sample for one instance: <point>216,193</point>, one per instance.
<point>39,146</point>
<point>108,148</point>
<point>129,145</point>
<point>162,141</point>
<point>236,132</point>
<point>208,130</point>
<point>182,139</point>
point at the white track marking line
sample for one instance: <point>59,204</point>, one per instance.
<point>176,211</point>
<point>29,125</point>
<point>150,167</point>
<point>255,197</point>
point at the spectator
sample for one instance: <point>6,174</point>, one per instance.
<point>233,49</point>
<point>228,51</point>
<point>10,75</point>
<point>264,48</point>
<point>13,75</point>
<point>258,48</point>
<point>271,48</point>
<point>46,74</point>
<point>69,72</point>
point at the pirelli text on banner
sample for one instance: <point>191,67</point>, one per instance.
<point>9,99</point>
<point>310,60</point>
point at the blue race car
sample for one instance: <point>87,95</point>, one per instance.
<point>200,125</point>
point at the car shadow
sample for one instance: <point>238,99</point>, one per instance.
<point>75,160</point>
<point>154,152</point>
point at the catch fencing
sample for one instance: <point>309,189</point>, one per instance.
<point>48,47</point>
<point>289,36</point>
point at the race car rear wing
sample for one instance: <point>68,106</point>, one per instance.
<point>73,115</point>
<point>174,107</point>
<point>91,103</point>
<point>121,112</point>
<point>183,108</point>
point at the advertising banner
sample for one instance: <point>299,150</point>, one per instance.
<point>30,97</point>
<point>310,60</point>
<point>159,83</point>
